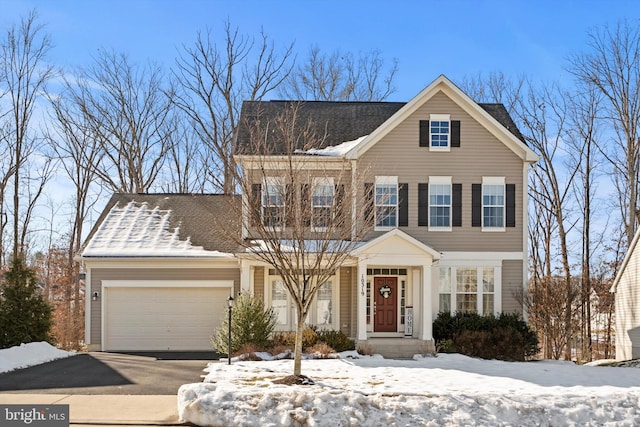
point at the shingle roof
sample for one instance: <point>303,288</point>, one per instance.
<point>164,225</point>
<point>338,121</point>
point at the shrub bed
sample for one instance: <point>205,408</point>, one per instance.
<point>503,337</point>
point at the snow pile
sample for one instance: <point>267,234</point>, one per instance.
<point>26,355</point>
<point>446,390</point>
<point>334,151</point>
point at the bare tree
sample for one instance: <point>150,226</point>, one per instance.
<point>214,82</point>
<point>128,109</point>
<point>303,225</point>
<point>496,87</point>
<point>582,140</point>
<point>341,77</point>
<point>613,66</point>
<point>544,114</point>
<point>23,76</point>
<point>71,138</point>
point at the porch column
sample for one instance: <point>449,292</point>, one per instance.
<point>426,309</point>
<point>361,290</point>
<point>245,276</point>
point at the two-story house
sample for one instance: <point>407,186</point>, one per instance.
<point>445,179</point>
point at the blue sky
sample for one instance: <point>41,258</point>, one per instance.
<point>428,38</point>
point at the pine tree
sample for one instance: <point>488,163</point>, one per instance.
<point>25,316</point>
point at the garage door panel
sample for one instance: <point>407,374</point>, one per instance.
<point>162,318</point>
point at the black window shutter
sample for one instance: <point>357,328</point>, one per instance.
<point>368,197</point>
<point>256,204</point>
<point>424,133</point>
<point>403,205</point>
<point>289,204</point>
<point>423,204</point>
<point>476,205</point>
<point>306,204</point>
<point>456,205</point>
<point>455,133</point>
<point>511,205</point>
<point>338,202</point>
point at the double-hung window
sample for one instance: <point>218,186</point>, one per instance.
<point>386,202</point>
<point>469,289</point>
<point>273,202</point>
<point>439,132</point>
<point>493,203</point>
<point>321,311</point>
<point>322,201</point>
<point>440,203</point>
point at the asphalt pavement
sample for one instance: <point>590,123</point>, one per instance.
<point>109,389</point>
<point>108,374</point>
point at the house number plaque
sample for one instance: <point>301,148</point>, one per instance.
<point>385,291</point>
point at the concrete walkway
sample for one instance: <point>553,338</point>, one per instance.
<point>108,410</point>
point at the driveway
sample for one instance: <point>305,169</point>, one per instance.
<point>109,373</point>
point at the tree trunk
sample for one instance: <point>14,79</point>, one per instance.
<point>297,352</point>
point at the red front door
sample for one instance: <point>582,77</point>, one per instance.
<point>385,304</point>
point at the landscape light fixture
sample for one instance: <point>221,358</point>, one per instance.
<point>230,303</point>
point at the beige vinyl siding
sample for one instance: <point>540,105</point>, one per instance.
<point>258,283</point>
<point>627,309</point>
<point>348,310</point>
<point>100,274</point>
<point>512,286</point>
<point>306,175</point>
<point>480,154</point>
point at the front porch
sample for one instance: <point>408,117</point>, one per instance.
<point>399,348</point>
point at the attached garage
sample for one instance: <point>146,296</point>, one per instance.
<point>162,315</point>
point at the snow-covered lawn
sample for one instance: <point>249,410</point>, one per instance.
<point>26,355</point>
<point>450,389</point>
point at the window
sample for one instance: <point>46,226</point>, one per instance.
<point>322,200</point>
<point>280,301</point>
<point>439,131</point>
<point>488,288</point>
<point>273,197</point>
<point>444,285</point>
<point>440,203</point>
<point>468,290</point>
<point>386,202</point>
<point>493,202</point>
<point>321,311</point>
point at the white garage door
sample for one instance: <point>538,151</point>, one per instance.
<point>162,318</point>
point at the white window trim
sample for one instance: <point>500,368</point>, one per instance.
<point>385,180</point>
<point>440,180</point>
<point>273,181</point>
<point>440,118</point>
<point>453,287</point>
<point>317,182</point>
<point>494,180</point>
<point>291,311</point>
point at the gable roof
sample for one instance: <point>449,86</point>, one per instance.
<point>493,117</point>
<point>163,225</point>
<point>632,247</point>
<point>341,122</point>
<point>396,233</point>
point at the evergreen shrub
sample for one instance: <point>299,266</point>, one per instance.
<point>503,337</point>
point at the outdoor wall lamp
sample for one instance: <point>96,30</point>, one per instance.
<point>230,303</point>
<point>95,295</point>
